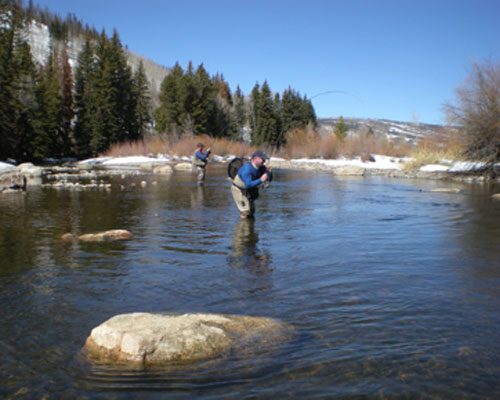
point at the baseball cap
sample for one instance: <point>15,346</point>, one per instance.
<point>261,154</point>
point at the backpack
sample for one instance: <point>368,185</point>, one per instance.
<point>234,165</point>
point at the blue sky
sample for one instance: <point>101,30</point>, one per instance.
<point>392,59</point>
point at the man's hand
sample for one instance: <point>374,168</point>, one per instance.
<point>264,177</point>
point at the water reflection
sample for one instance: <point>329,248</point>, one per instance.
<point>245,252</point>
<point>197,196</point>
<point>387,284</point>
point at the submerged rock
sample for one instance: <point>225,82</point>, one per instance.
<point>446,190</point>
<point>183,166</point>
<point>143,338</point>
<point>107,236</point>
<point>163,170</point>
<point>496,196</point>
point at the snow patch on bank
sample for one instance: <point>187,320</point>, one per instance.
<point>381,162</point>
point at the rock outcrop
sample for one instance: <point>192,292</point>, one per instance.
<point>107,236</point>
<point>143,338</point>
<point>12,180</point>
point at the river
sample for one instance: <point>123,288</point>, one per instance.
<point>392,289</point>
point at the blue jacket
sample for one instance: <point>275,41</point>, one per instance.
<point>251,175</point>
<point>200,156</point>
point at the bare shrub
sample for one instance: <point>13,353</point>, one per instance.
<point>225,147</point>
<point>477,112</point>
<point>302,143</point>
<point>330,146</point>
<point>150,145</point>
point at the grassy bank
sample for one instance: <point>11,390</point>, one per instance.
<point>301,143</point>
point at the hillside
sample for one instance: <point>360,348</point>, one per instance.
<point>394,131</point>
<point>41,42</point>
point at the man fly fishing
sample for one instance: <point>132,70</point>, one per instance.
<point>246,182</point>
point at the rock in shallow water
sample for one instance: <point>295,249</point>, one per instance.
<point>143,338</point>
<point>107,236</point>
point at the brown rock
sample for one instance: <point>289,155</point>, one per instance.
<point>108,236</point>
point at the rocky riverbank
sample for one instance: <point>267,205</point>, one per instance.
<point>92,173</point>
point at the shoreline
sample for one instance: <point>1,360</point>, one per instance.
<point>19,178</point>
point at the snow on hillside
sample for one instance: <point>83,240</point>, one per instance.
<point>38,37</point>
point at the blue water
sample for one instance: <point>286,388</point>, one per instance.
<point>392,290</point>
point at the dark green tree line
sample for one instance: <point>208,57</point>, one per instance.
<point>271,118</point>
<point>45,114</point>
<point>111,104</point>
<point>191,102</point>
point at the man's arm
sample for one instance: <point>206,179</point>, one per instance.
<point>246,176</point>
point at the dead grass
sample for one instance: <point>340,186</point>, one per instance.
<point>151,145</point>
<point>301,143</point>
<point>182,147</point>
<point>434,151</point>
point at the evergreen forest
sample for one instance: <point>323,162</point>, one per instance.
<point>53,111</point>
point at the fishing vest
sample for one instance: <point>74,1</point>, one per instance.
<point>197,162</point>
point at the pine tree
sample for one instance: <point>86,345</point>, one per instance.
<point>224,124</point>
<point>204,102</point>
<point>240,113</point>
<point>295,112</point>
<point>7,88</point>
<point>265,130</point>
<point>142,100</point>
<point>171,109</point>
<point>84,99</point>
<point>253,114</point>
<point>341,128</point>
<point>104,122</point>
<point>188,97</point>
<point>24,103</point>
<point>67,114</point>
<point>268,124</point>
<point>46,141</point>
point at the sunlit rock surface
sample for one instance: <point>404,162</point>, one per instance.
<point>11,180</point>
<point>107,236</point>
<point>349,170</point>
<point>446,190</point>
<point>143,338</point>
<point>183,166</point>
<point>163,170</point>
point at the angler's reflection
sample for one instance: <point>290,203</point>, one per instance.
<point>197,196</point>
<point>245,252</point>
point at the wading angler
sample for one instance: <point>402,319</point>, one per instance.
<point>246,179</point>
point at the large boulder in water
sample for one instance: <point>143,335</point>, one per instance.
<point>143,338</point>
